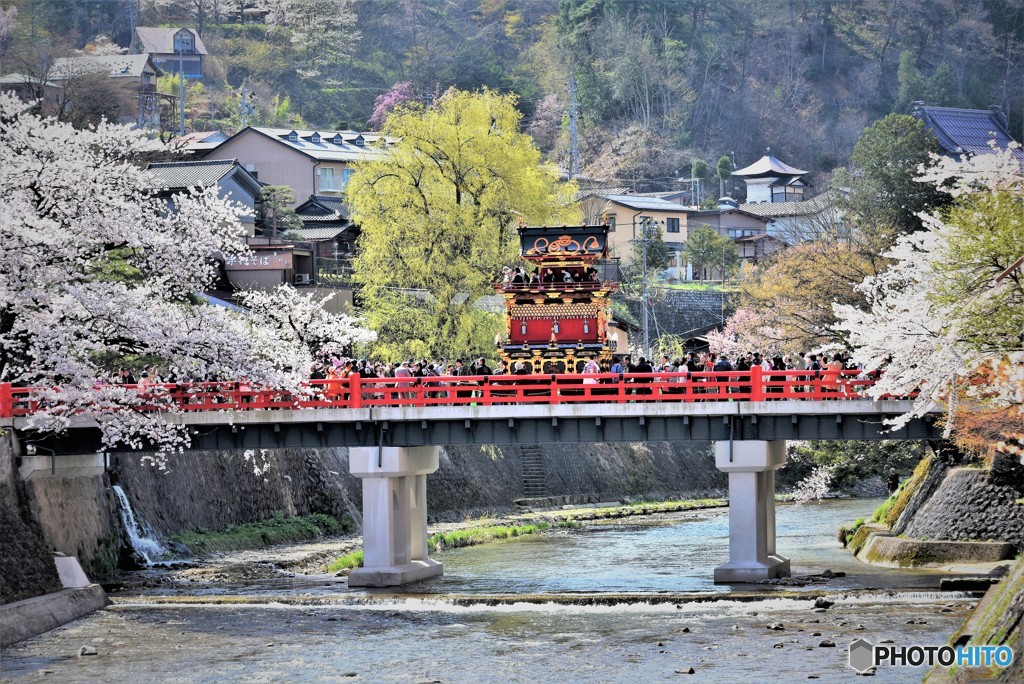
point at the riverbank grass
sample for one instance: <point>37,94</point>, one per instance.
<point>279,529</point>
<point>456,539</point>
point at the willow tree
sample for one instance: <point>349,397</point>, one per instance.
<point>438,215</point>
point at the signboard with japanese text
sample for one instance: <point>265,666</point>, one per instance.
<point>259,260</point>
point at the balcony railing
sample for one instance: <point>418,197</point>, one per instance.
<point>332,184</point>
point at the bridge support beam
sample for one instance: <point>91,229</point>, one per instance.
<point>751,466</point>
<point>394,514</point>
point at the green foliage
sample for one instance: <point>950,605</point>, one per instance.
<point>943,90</point>
<point>911,85</point>
<point>277,530</point>
<point>349,561</point>
<point>890,511</point>
<point>707,250</point>
<point>277,217</point>
<point>885,197</point>
<point>481,535</point>
<point>852,461</point>
<point>438,217</point>
<point>723,171</point>
<point>456,539</point>
<point>988,238</point>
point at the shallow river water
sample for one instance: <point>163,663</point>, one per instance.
<point>512,611</point>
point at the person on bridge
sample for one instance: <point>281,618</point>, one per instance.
<point>591,368</point>
<point>723,366</point>
<point>401,373</point>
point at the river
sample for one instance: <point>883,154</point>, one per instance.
<point>606,603</point>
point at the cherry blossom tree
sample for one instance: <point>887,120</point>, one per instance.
<point>946,317</point>
<point>745,331</point>
<point>396,95</point>
<point>95,269</point>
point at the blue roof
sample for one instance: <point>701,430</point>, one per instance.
<point>967,130</point>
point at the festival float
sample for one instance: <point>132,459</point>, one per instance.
<point>558,300</point>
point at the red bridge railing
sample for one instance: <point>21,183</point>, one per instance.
<point>356,392</point>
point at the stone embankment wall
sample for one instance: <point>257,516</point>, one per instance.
<point>26,564</point>
<point>212,490</point>
<point>685,312</point>
<point>967,504</point>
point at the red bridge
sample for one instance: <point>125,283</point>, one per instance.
<point>356,392</point>
<point>392,428</point>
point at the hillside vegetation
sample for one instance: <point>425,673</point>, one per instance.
<point>658,82</point>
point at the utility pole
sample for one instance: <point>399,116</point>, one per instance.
<point>181,81</point>
<point>645,224</point>
<point>574,159</point>
<point>131,18</point>
<point>243,106</point>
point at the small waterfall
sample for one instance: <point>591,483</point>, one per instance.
<point>141,537</point>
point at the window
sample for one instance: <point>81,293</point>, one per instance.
<point>610,219</point>
<point>315,138</point>
<point>334,180</point>
<point>672,225</point>
<point>328,181</point>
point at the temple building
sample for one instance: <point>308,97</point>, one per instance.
<point>770,180</point>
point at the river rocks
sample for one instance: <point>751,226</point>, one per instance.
<point>87,651</point>
<point>776,626</point>
<point>827,643</point>
<point>822,602</point>
<point>815,633</point>
<point>779,645</point>
<point>686,670</point>
<point>685,630</point>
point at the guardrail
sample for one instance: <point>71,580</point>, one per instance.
<point>356,392</point>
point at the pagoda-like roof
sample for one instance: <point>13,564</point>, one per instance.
<point>768,166</point>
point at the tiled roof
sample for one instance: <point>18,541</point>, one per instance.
<point>320,208</point>
<point>643,203</point>
<point>116,66</point>
<point>967,130</point>
<point>768,166</point>
<point>189,174</point>
<point>808,207</point>
<point>327,145</point>
<point>317,234</point>
<point>756,238</point>
<point>161,40</point>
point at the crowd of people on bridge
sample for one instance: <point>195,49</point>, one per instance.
<point>705,373</point>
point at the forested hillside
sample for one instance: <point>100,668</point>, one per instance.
<point>658,82</point>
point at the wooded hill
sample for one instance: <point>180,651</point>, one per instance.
<point>659,82</point>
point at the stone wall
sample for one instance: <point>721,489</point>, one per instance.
<point>969,504</point>
<point>212,490</point>
<point>472,480</point>
<point>26,564</point>
<point>685,312</point>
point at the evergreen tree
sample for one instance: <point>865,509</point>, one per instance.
<point>942,89</point>
<point>911,86</point>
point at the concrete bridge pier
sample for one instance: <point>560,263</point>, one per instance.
<point>394,514</point>
<point>751,465</point>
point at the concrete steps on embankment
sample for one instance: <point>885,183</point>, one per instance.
<point>534,472</point>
